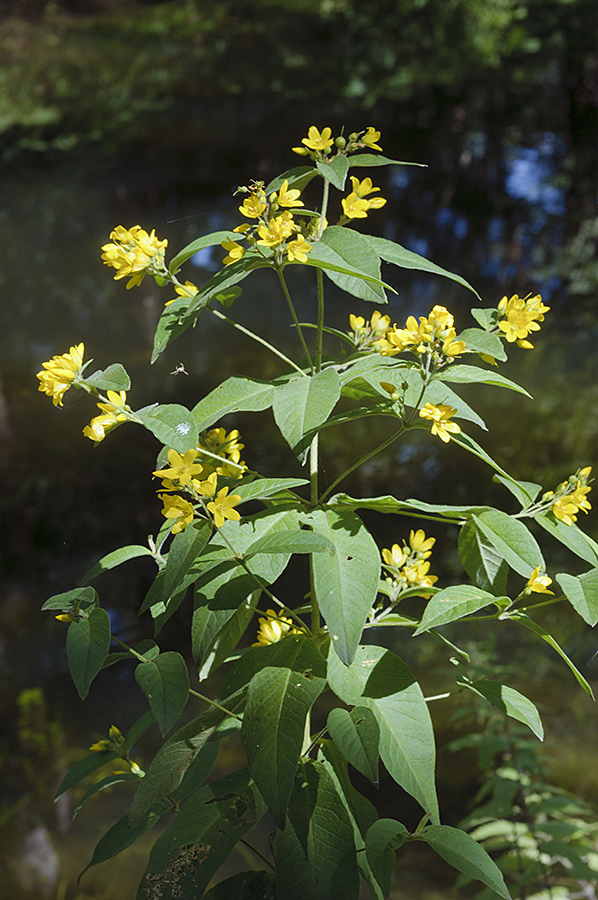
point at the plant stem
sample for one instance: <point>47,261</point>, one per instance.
<point>324,209</point>
<point>259,339</point>
<point>295,319</point>
<point>363,460</point>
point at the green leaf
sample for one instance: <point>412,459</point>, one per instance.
<point>87,646</point>
<point>346,583</point>
<point>296,652</point>
<point>571,536</point>
<point>525,491</point>
<point>111,560</point>
<point>382,838</point>
<point>476,375</point>
<point>278,702</point>
<point>487,318</point>
<point>582,593</point>
<point>389,504</point>
<point>334,170</point>
<point>83,768</point>
<point>533,626</point>
<point>372,159</point>
<point>381,681</point>
<point>317,844</point>
<point>78,598</point>
<point>509,701</point>
<point>483,342</point>
<point>324,257</point>
<point>453,603</point>
<point>228,636</point>
<point>168,767</point>
<point>300,541</point>
<point>165,682</point>
<point>468,443</point>
<point>481,560</point>
<point>114,378</point>
<point>244,886</point>
<point>208,240</point>
<point>187,855</point>
<point>462,852</point>
<point>109,781</point>
<point>302,405</point>
<point>233,395</point>
<point>356,251</point>
<point>139,728</point>
<point>297,177</point>
<point>356,734</point>
<point>186,546</point>
<point>173,425</point>
<point>511,539</point>
<point>263,488</point>
<point>406,259</point>
<point>121,836</point>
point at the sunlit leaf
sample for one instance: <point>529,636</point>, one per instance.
<point>113,378</point>
<point>303,404</point>
<point>334,170</point>
<point>509,701</point>
<point>511,539</point>
<point>453,603</point>
<point>356,251</point>
<point>172,424</point>
<point>407,259</point>
<point>233,395</point>
<point>582,593</point>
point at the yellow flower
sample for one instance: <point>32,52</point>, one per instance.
<point>273,628</point>
<point>370,138</point>
<point>566,508</point>
<point>365,187</point>
<point>416,575</point>
<point>183,468</point>
<point>521,317</point>
<point>396,556</point>
<point>60,372</point>
<point>235,252</point>
<point>112,415</point>
<point>538,583</point>
<point>206,488</point>
<point>317,141</point>
<point>135,253</point>
<point>222,507</point>
<point>440,416</point>
<point>420,544</point>
<point>253,207</point>
<point>177,508</point>
<point>183,290</point>
<point>286,197</point>
<point>298,249</point>
<point>277,230</point>
<point>355,207</point>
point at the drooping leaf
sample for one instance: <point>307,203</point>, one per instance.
<point>108,782</point>
<point>509,701</point>
<point>233,395</point>
<point>346,583</point>
<point>357,734</point>
<point>172,424</point>
<point>303,404</point>
<point>317,844</point>
<point>582,593</point>
<point>208,240</point>
<point>83,768</point>
<point>383,837</point>
<point>374,159</point>
<point>278,701</point>
<point>122,835</point>
<point>381,681</point>
<point>525,491</point>
<point>511,539</point>
<point>111,560</point>
<point>462,852</point>
<point>87,646</point>
<point>165,682</point>
<point>78,598</point>
<point>406,259</point>
<point>481,560</point>
<point>355,250</point>
<point>468,443</point>
<point>453,603</point>
<point>334,170</point>
<point>113,378</point>
<point>461,374</point>
<point>571,536</point>
<point>187,855</point>
<point>389,504</point>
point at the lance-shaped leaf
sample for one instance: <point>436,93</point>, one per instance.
<point>173,425</point>
<point>83,768</point>
<point>264,488</point>
<point>165,682</point>
<point>233,395</point>
<point>303,405</point>
<point>225,640</point>
<point>78,598</point>
<point>453,603</point>
<point>406,259</point>
<point>582,593</point>
<point>477,375</point>
<point>533,626</point>
<point>187,855</point>
<point>381,681</point>
<point>509,701</point>
<point>114,378</point>
<point>571,536</point>
<point>389,504</point>
<point>87,646</point>
<point>383,837</point>
<point>122,835</point>
<point>346,583</point>
<point>278,701</point>
<point>111,560</point>
<point>356,251</point>
<point>525,491</point>
<point>482,561</point>
<point>334,170</point>
<point>297,177</point>
<point>107,782</point>
<point>356,734</point>
<point>483,342</point>
<point>468,443</point>
<point>208,240</point>
<point>317,845</point>
<point>462,852</point>
<point>374,159</point>
<point>511,539</point>
<point>326,258</point>
<point>299,541</point>
<point>186,546</point>
<point>296,652</point>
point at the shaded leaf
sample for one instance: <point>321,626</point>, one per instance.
<point>296,652</point>
<point>481,560</point>
<point>356,734</point>
<point>78,598</point>
<point>83,768</point>
<point>382,838</point>
<point>113,378</point>
<point>300,541</point>
<point>109,781</point>
<point>87,646</point>
<point>511,539</point>
<point>462,852</point>
<point>111,560</point>
<point>165,682</point>
<point>258,885</point>
<point>509,701</point>
<point>121,836</point>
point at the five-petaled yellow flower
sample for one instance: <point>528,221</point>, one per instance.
<point>112,415</point>
<point>538,583</point>
<point>221,507</point>
<point>273,628</point>
<point>182,467</point>
<point>370,138</point>
<point>318,141</point>
<point>177,508</point>
<point>298,249</point>
<point>440,416</point>
<point>286,197</point>
<point>60,372</point>
<point>188,290</point>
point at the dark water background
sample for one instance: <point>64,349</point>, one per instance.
<point>509,188</point>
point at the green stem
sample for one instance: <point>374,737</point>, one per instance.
<point>324,209</point>
<point>259,340</point>
<point>294,317</point>
<point>363,460</point>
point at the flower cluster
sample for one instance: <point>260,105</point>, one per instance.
<point>318,145</point>
<point>440,416</point>
<point>570,497</point>
<point>368,336</point>
<point>408,565</point>
<point>274,628</point>
<point>275,227</point>
<point>116,744</point>
<point>434,335</point>
<point>196,473</point>
<point>60,372</point>
<point>520,318</point>
<point>113,413</point>
<point>134,253</point>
